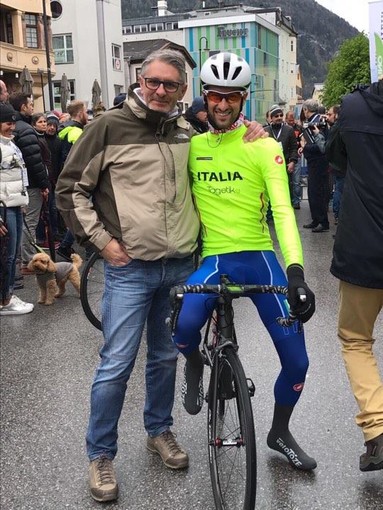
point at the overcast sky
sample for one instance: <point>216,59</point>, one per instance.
<point>353,11</point>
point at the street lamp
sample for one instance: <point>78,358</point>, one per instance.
<point>41,73</point>
<point>203,38</point>
<point>47,56</point>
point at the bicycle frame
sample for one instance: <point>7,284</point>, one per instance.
<point>224,334</point>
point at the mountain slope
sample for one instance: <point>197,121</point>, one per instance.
<point>320,32</point>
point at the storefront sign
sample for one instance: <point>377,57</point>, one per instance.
<point>224,32</point>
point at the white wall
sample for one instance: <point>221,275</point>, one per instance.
<point>83,19</point>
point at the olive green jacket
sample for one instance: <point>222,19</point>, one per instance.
<point>126,178</point>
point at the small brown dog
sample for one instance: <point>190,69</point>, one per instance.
<point>52,276</point>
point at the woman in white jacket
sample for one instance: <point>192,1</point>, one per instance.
<point>13,197</point>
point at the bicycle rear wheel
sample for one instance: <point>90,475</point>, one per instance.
<point>232,449</point>
<point>92,288</point>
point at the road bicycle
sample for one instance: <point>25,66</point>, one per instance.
<point>230,422</point>
<point>92,288</point>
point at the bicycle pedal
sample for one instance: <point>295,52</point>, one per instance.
<point>250,386</point>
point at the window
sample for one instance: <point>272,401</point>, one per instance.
<point>6,32</point>
<point>31,30</point>
<point>140,28</point>
<point>138,73</point>
<point>63,48</point>
<point>259,38</point>
<point>118,89</point>
<point>116,57</point>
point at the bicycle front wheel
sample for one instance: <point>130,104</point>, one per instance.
<point>92,288</point>
<point>232,450</point>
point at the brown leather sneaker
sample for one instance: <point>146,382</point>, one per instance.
<point>172,455</point>
<point>102,480</point>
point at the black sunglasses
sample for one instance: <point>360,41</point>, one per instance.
<point>154,84</point>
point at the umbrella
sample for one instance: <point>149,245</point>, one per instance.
<point>96,93</point>
<point>64,92</point>
<point>26,81</point>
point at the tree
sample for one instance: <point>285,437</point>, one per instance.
<point>351,66</point>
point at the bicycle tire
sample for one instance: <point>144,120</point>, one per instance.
<point>231,436</point>
<point>92,288</point>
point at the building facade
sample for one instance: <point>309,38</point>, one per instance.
<point>264,37</point>
<point>25,35</point>
<point>87,44</point>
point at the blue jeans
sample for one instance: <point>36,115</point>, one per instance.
<point>15,228</point>
<point>336,199</point>
<point>135,295</point>
<point>296,187</point>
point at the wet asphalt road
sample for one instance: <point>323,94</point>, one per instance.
<point>47,364</point>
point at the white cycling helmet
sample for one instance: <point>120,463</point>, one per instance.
<point>226,70</point>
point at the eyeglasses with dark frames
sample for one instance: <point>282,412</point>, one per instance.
<point>155,83</point>
<point>231,97</point>
<point>277,116</point>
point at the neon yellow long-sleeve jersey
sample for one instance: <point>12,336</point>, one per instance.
<point>232,183</point>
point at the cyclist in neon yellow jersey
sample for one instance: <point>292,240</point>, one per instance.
<point>232,183</point>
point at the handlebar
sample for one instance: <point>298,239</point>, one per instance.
<point>234,290</point>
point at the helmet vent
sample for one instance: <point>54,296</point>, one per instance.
<point>226,69</point>
<point>215,71</point>
<point>236,73</point>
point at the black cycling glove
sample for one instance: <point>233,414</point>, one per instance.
<point>296,280</point>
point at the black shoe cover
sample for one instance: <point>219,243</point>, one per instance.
<point>285,443</point>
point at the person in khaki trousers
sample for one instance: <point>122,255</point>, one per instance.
<point>355,145</point>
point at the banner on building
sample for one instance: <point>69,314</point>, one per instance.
<point>376,39</point>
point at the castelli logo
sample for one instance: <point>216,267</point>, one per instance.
<point>279,160</point>
<point>298,387</point>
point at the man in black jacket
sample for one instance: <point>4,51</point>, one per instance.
<point>318,172</point>
<point>356,145</point>
<point>68,134</point>
<point>26,140</point>
<point>296,186</point>
<point>285,136</point>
